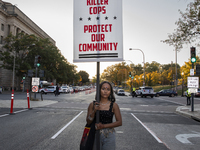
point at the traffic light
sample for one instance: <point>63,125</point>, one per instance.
<point>38,60</point>
<point>193,54</point>
<point>24,76</point>
<point>129,74</point>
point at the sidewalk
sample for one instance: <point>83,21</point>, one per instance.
<point>186,111</point>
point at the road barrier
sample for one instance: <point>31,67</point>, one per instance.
<point>90,91</point>
<point>28,100</point>
<point>12,102</point>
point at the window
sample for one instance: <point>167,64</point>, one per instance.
<point>2,27</point>
<point>1,40</point>
<point>8,29</point>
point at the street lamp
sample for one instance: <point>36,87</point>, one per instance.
<point>13,82</point>
<point>143,63</point>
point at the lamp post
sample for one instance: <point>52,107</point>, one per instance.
<point>13,84</point>
<point>143,63</point>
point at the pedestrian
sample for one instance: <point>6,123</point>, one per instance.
<point>188,97</point>
<point>133,92</point>
<point>107,108</point>
<point>57,90</point>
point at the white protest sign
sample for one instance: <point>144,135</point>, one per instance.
<point>98,31</point>
<point>193,82</point>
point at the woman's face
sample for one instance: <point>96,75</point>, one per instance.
<point>105,90</point>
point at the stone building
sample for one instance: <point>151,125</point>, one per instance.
<point>13,20</point>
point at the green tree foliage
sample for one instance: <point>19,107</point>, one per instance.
<point>84,76</point>
<point>154,66</point>
<point>26,47</point>
<point>188,29</point>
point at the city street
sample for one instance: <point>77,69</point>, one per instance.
<point>148,123</point>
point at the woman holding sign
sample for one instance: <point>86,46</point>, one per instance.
<point>107,109</point>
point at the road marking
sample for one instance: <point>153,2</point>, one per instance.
<point>153,134</point>
<point>20,111</point>
<point>125,109</point>
<point>119,132</point>
<point>61,130</point>
<point>183,138</point>
<point>14,113</point>
<point>4,115</point>
<point>171,101</point>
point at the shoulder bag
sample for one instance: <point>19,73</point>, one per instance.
<point>88,136</point>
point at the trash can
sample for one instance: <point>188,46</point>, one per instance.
<point>1,89</point>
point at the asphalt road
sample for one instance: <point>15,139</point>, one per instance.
<point>148,124</point>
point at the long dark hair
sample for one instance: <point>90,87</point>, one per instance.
<point>111,97</point>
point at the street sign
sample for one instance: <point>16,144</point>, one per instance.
<point>98,32</point>
<point>192,90</point>
<point>34,88</point>
<point>191,72</point>
<point>36,81</point>
<point>30,73</point>
<point>193,82</point>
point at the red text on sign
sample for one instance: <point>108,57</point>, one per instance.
<point>97,2</point>
<point>97,10</point>
<point>97,37</point>
<point>98,28</point>
<point>97,47</point>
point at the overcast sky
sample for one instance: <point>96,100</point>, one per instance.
<point>145,24</point>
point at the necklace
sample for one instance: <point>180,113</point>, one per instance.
<point>105,103</point>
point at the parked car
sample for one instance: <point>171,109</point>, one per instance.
<point>71,89</point>
<point>198,93</point>
<point>145,91</point>
<point>116,89</point>
<point>166,92</point>
<point>75,88</point>
<point>120,92</point>
<point>64,89</point>
<point>49,89</point>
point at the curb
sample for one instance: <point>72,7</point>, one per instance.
<point>180,110</point>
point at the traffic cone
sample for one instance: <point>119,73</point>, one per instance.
<point>12,101</point>
<point>28,100</point>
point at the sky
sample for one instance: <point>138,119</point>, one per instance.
<point>145,24</point>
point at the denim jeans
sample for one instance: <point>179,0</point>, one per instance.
<point>107,139</point>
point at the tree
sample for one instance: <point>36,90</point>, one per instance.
<point>84,76</point>
<point>154,66</point>
<point>188,29</point>
<point>117,74</point>
<point>26,47</point>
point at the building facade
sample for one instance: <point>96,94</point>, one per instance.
<point>13,20</point>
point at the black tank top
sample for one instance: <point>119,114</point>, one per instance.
<point>106,116</point>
